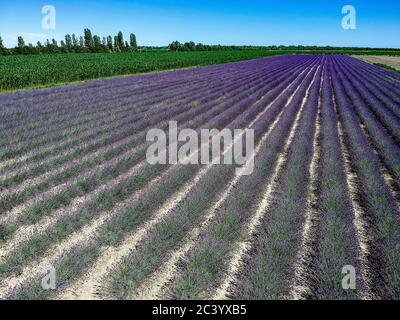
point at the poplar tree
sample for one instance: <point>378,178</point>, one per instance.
<point>21,45</point>
<point>39,47</point>
<point>1,46</point>
<point>75,41</point>
<point>120,38</point>
<point>110,42</point>
<point>116,45</point>
<point>68,41</point>
<point>133,42</point>
<point>21,42</point>
<point>89,42</point>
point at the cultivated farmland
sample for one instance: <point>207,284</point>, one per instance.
<point>17,72</point>
<point>77,194</point>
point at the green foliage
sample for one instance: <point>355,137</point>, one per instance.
<point>72,44</point>
<point>110,43</point>
<point>387,67</point>
<point>21,42</point>
<point>133,42</point>
<point>89,42</point>
<point>120,40</point>
<point>191,46</point>
<point>1,46</point>
<point>68,41</point>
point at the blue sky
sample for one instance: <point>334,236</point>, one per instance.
<point>234,22</point>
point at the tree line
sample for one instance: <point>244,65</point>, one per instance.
<point>94,43</point>
<point>73,44</point>
<point>191,46</point>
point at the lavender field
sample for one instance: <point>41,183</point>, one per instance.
<point>78,197</point>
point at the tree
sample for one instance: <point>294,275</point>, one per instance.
<point>64,48</point>
<point>68,41</point>
<point>21,46</point>
<point>75,41</point>
<point>120,39</point>
<point>200,47</point>
<point>52,47</point>
<point>81,42</point>
<point>175,46</point>
<point>89,42</point>
<point>133,42</point>
<point>189,46</point>
<point>116,44</point>
<point>39,47</point>
<point>97,43</point>
<point>30,49</point>
<point>1,46</point>
<point>47,48</point>
<point>21,42</point>
<point>110,42</point>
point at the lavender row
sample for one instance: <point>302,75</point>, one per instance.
<point>375,198</point>
<point>336,240</point>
